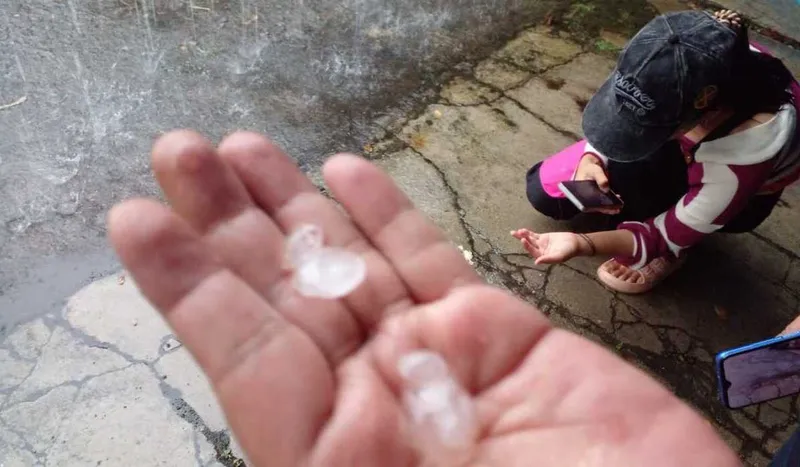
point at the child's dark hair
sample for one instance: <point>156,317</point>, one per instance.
<point>758,83</point>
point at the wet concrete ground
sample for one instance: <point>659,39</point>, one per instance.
<point>78,385</point>
<point>87,85</point>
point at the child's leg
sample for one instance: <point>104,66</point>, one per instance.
<point>556,208</point>
<point>543,179</point>
<point>757,211</point>
<point>652,185</point>
<point>648,187</point>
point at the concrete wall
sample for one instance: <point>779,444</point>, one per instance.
<point>101,78</point>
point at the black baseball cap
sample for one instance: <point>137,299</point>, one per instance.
<point>668,74</point>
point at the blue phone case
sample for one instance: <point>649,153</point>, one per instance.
<point>724,355</point>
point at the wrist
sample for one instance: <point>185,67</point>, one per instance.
<point>586,246</point>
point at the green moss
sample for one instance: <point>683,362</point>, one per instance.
<point>585,18</point>
<point>579,12</point>
<point>605,46</point>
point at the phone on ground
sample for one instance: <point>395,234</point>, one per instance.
<point>586,194</point>
<point>759,372</point>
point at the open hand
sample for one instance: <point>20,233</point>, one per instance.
<point>550,248</point>
<point>309,382</point>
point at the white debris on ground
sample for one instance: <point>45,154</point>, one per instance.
<point>467,255</point>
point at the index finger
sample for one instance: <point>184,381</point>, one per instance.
<point>288,197</point>
<point>598,174</point>
<point>257,362</point>
<point>427,262</point>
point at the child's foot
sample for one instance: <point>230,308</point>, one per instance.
<point>632,281</point>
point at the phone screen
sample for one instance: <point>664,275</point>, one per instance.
<point>586,194</point>
<point>760,372</point>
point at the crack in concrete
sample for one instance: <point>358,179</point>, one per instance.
<point>782,283</point>
<point>454,198</point>
<point>684,382</point>
<point>689,374</point>
<point>792,255</point>
<point>503,94</point>
<point>219,440</point>
<point>561,131</point>
<point>27,446</point>
<point>537,72</point>
<point>197,448</point>
<point>72,405</point>
<point>17,356</point>
<point>77,383</point>
<point>11,390</point>
<point>684,375</point>
<point>680,363</point>
<point>785,277</point>
<point>684,379</point>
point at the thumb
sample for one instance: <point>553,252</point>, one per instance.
<point>599,175</point>
<point>793,327</point>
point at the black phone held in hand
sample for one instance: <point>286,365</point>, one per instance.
<point>586,194</point>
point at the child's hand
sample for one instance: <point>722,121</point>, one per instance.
<point>550,248</point>
<point>792,327</point>
<point>591,168</point>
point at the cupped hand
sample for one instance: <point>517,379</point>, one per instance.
<point>550,248</point>
<point>313,382</point>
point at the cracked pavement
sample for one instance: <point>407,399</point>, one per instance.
<point>105,381</point>
<point>523,104</point>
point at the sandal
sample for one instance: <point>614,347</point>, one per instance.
<point>649,276</point>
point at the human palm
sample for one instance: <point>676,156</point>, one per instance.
<point>549,248</point>
<point>313,382</point>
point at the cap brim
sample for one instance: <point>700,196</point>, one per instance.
<point>618,137</point>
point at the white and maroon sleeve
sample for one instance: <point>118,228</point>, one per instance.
<point>717,193</point>
<point>727,173</point>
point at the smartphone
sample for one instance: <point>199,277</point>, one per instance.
<point>759,372</point>
<point>586,194</point>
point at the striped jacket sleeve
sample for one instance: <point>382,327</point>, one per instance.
<point>717,193</point>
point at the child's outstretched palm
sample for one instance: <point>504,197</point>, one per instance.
<point>549,248</point>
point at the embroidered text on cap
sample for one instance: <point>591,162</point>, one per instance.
<point>640,101</point>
